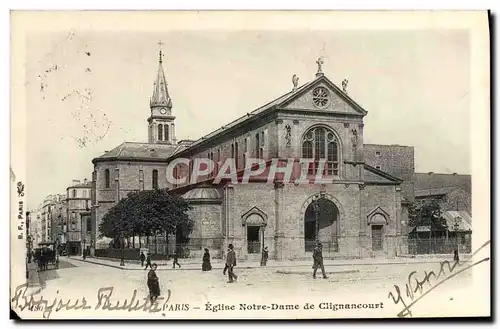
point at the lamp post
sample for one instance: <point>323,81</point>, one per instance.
<point>315,205</point>
<point>317,209</point>
<point>57,251</point>
<point>122,259</point>
<point>30,243</point>
<point>456,226</point>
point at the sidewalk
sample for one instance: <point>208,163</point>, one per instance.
<point>193,264</point>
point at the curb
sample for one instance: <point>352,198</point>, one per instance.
<point>160,269</point>
<point>309,273</point>
<point>251,267</point>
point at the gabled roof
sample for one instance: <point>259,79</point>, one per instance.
<point>376,176</point>
<point>279,102</point>
<point>330,84</point>
<point>138,152</point>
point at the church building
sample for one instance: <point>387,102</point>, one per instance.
<point>356,211</point>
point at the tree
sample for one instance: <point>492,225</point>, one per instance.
<point>147,213</point>
<point>426,214</point>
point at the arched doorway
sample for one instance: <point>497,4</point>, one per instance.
<point>326,231</point>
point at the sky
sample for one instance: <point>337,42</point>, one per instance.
<point>87,92</point>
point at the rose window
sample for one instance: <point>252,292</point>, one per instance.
<point>321,97</point>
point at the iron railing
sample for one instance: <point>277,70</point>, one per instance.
<point>440,245</point>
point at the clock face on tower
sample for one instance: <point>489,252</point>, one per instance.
<point>163,111</point>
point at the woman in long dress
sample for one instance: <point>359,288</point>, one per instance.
<point>153,283</point>
<point>206,266</point>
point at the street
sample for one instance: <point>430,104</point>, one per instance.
<point>197,294</point>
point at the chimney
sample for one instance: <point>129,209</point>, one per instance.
<point>85,181</point>
<point>76,181</point>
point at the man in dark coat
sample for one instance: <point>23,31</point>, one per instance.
<point>142,258</point>
<point>153,284</point>
<point>318,260</point>
<point>176,260</point>
<point>206,266</point>
<point>456,258</point>
<point>231,263</point>
<point>148,262</point>
<point>265,256</point>
<point>225,264</point>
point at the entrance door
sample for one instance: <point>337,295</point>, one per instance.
<point>377,237</point>
<point>253,239</point>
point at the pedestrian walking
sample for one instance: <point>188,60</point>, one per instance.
<point>153,283</point>
<point>206,266</point>
<point>225,264</point>
<point>231,263</point>
<point>148,262</point>
<point>176,258</point>
<point>318,260</point>
<point>456,258</point>
<point>265,256</point>
<point>142,258</point>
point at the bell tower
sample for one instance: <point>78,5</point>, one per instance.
<point>161,127</point>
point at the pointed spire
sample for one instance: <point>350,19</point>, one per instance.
<point>161,55</point>
<point>160,91</point>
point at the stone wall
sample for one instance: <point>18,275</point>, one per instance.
<point>130,177</point>
<point>208,230</point>
<point>246,197</point>
<point>397,160</point>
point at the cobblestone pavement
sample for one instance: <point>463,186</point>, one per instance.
<point>271,286</point>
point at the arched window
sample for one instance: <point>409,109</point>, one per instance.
<point>166,132</point>
<point>160,132</point>
<point>155,179</point>
<point>320,143</point>
<point>74,193</point>
<point>106,178</point>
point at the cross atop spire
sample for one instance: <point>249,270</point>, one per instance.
<point>161,54</point>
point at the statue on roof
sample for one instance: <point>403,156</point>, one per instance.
<point>295,81</point>
<point>344,85</point>
<point>320,63</point>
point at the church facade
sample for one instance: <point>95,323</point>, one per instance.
<point>356,210</point>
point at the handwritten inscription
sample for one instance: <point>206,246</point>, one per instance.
<point>24,301</point>
<point>415,288</point>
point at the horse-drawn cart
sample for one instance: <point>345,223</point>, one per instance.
<point>46,255</point>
